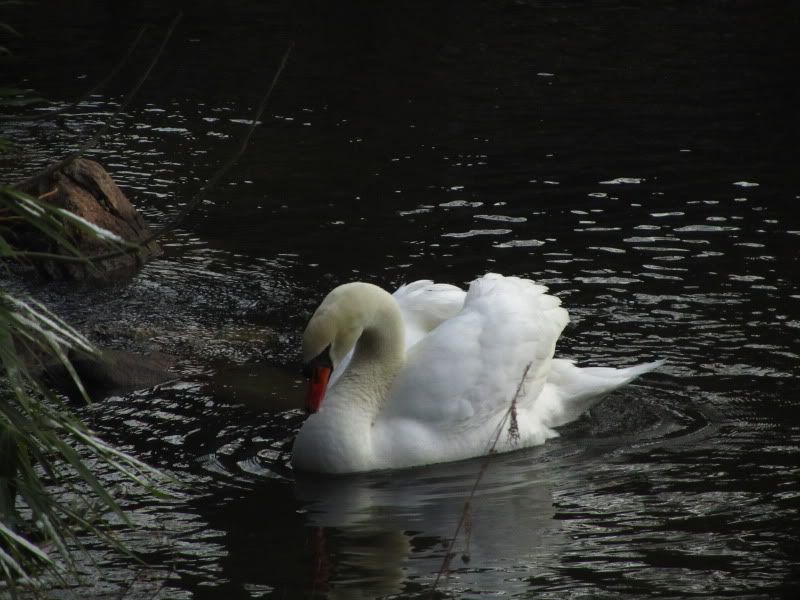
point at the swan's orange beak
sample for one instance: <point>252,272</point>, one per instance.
<point>316,387</point>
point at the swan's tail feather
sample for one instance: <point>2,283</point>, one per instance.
<point>618,377</point>
<point>570,391</point>
<point>640,369</point>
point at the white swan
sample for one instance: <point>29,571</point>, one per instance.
<point>428,375</point>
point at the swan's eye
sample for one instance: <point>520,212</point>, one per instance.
<point>323,359</point>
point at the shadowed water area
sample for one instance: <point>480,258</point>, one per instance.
<point>639,160</point>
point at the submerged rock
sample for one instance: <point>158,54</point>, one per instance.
<point>84,188</point>
<point>110,371</point>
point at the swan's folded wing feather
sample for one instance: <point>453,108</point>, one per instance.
<point>469,367</point>
<point>425,305</point>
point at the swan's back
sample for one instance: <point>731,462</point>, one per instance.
<point>425,305</point>
<point>467,369</point>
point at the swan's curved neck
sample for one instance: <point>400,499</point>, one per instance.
<point>379,351</point>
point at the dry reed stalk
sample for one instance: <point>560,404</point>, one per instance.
<point>465,522</point>
<point>92,141</point>
<point>40,116</point>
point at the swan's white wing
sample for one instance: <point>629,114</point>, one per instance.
<point>468,368</point>
<point>424,305</point>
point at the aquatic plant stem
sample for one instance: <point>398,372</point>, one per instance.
<point>92,141</point>
<point>463,520</point>
<point>221,172</point>
<point>40,116</point>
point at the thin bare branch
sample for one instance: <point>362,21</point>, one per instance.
<point>39,116</point>
<point>92,141</point>
<point>465,512</point>
<point>215,179</point>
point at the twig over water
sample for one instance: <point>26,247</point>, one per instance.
<point>92,141</point>
<point>464,521</point>
<point>221,172</point>
<point>40,116</point>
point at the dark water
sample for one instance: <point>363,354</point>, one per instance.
<point>639,159</point>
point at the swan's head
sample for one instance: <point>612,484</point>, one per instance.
<point>331,333</point>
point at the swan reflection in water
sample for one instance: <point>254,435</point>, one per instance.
<point>385,533</point>
<point>375,532</point>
